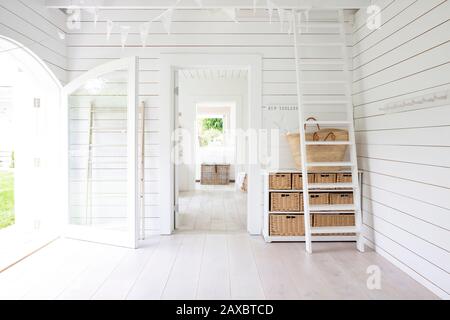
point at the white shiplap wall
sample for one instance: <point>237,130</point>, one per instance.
<point>33,25</point>
<point>405,155</point>
<point>198,31</point>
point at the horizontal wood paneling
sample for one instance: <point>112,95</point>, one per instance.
<point>198,31</point>
<point>37,28</point>
<point>405,154</point>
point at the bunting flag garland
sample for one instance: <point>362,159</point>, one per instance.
<point>124,31</point>
<point>231,12</point>
<point>166,19</point>
<point>109,28</point>
<point>270,7</point>
<point>144,29</point>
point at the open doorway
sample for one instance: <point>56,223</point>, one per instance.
<point>210,176</point>
<point>30,154</point>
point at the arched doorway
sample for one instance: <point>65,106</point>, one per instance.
<point>30,145</point>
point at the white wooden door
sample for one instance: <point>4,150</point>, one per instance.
<point>101,118</point>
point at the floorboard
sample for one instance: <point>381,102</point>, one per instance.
<point>210,256</point>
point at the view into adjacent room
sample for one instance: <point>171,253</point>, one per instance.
<point>211,173</point>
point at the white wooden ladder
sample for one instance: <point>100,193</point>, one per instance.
<point>300,22</point>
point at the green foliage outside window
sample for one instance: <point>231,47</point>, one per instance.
<point>212,123</point>
<point>210,131</point>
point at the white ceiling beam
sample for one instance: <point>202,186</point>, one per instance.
<point>191,4</point>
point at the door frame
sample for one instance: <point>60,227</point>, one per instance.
<point>131,64</point>
<point>170,62</point>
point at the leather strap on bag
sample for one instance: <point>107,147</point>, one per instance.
<point>312,118</point>
<point>316,136</point>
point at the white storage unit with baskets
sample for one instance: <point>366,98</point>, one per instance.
<point>283,205</point>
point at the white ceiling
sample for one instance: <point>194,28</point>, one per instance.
<point>191,4</point>
<point>213,74</point>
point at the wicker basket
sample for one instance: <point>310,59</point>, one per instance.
<point>280,181</point>
<point>341,198</point>
<point>286,202</point>
<point>318,198</point>
<point>325,178</point>
<point>319,153</point>
<point>297,181</point>
<point>215,174</point>
<point>286,225</point>
<point>344,178</point>
<point>334,220</point>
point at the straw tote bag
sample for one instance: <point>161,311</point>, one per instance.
<point>319,153</point>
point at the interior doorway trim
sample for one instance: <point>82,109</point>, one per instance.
<point>171,62</point>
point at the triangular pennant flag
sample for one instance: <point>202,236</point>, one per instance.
<point>95,15</point>
<point>299,18</point>
<point>143,31</point>
<point>109,28</point>
<point>124,31</point>
<point>270,7</point>
<point>306,20</point>
<point>282,15</point>
<point>307,15</point>
<point>166,19</point>
<point>231,12</point>
<point>291,23</point>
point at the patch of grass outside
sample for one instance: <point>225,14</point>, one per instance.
<point>7,216</point>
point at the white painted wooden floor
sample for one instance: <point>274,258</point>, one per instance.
<point>210,257</point>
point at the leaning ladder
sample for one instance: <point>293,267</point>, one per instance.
<point>88,211</point>
<point>142,171</point>
<point>348,123</point>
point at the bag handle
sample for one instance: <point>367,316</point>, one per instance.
<point>332,135</point>
<point>312,118</point>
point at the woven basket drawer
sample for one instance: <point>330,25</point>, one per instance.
<point>318,198</point>
<point>325,178</point>
<point>280,181</point>
<point>286,225</point>
<point>344,178</point>
<point>334,220</point>
<point>291,202</point>
<point>297,180</point>
<point>341,198</point>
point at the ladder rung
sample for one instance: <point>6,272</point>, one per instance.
<point>321,102</point>
<point>332,207</point>
<point>333,143</point>
<point>327,230</point>
<point>329,164</point>
<point>314,62</point>
<point>323,81</point>
<point>322,44</point>
<point>328,122</point>
<point>330,185</point>
<point>110,130</point>
<point>320,24</point>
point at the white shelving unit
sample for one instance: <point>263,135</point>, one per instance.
<point>330,209</point>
